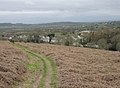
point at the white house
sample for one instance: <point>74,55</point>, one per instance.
<point>10,38</point>
<point>85,32</point>
<point>45,38</point>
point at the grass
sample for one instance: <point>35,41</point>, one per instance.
<point>36,66</point>
<point>54,74</point>
<point>54,78</point>
<point>44,73</point>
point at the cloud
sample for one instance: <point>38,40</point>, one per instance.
<point>27,12</point>
<point>60,9</point>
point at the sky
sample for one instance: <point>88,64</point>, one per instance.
<point>46,11</point>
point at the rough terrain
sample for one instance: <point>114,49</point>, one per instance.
<point>82,67</point>
<point>30,65</point>
<point>21,67</point>
<point>42,69</point>
<point>12,65</point>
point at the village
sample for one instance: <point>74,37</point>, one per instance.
<point>76,39</point>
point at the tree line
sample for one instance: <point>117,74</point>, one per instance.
<point>108,39</point>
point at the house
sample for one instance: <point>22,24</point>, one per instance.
<point>54,40</point>
<point>91,45</point>
<point>45,38</point>
<point>82,33</point>
<point>10,38</point>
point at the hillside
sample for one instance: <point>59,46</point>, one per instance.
<point>23,68</point>
<point>58,25</point>
<point>82,67</point>
<point>12,65</point>
<point>30,65</point>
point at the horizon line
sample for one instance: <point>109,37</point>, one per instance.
<point>59,22</point>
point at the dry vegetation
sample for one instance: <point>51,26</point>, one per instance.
<point>81,67</point>
<point>12,65</point>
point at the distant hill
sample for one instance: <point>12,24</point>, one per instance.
<point>58,24</point>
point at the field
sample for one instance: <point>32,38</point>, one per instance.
<point>30,65</point>
<point>82,67</point>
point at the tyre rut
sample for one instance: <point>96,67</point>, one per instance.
<point>48,78</point>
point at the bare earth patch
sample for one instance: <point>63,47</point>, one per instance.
<point>12,65</point>
<point>82,67</point>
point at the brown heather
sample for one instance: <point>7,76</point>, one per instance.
<point>82,67</point>
<point>12,65</point>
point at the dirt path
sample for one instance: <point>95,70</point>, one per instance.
<point>47,78</point>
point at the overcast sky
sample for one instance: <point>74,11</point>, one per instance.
<point>45,11</point>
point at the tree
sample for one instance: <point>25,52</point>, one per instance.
<point>102,43</point>
<point>67,43</point>
<point>50,37</point>
<point>118,46</point>
<point>114,41</point>
<point>36,38</point>
<point>12,41</point>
